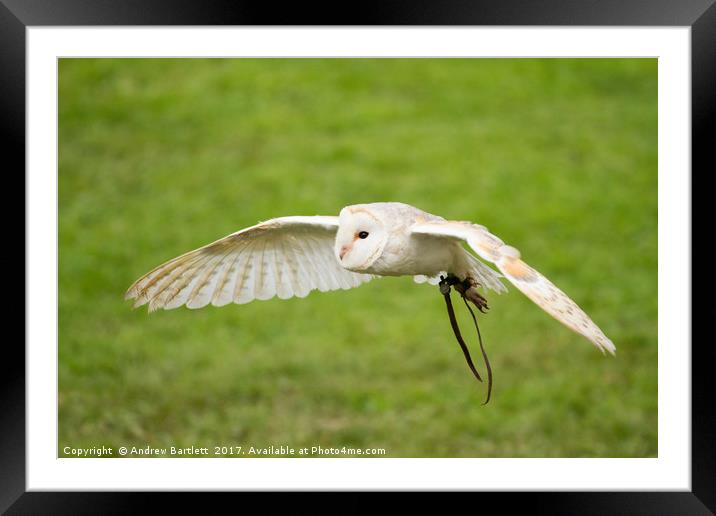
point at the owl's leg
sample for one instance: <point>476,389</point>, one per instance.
<point>468,290</point>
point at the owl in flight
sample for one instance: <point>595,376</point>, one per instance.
<point>291,256</point>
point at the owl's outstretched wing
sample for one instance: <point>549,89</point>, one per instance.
<point>284,257</point>
<point>535,286</point>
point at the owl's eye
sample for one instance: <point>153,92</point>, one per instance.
<point>363,234</point>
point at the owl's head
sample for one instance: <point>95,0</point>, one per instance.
<point>361,237</point>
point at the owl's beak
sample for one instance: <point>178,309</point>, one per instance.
<point>343,251</point>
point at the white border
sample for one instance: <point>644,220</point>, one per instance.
<point>670,471</point>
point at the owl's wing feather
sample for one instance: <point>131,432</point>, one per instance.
<point>533,284</point>
<point>284,257</point>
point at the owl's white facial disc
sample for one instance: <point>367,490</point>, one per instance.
<point>360,239</point>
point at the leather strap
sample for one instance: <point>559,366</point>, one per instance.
<point>458,336</point>
<point>445,285</point>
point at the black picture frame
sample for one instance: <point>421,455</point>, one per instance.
<point>699,15</point>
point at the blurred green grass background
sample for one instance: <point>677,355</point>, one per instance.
<point>556,156</point>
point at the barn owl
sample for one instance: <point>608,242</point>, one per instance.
<point>291,256</point>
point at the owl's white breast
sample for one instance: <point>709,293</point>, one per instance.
<point>410,255</point>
